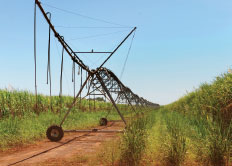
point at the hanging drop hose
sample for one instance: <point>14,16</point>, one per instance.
<point>49,61</point>
<point>36,101</point>
<point>81,84</point>
<point>86,78</point>
<point>79,70</point>
<point>94,100</point>
<point>61,72</point>
<point>61,76</point>
<point>74,78</point>
<point>72,71</point>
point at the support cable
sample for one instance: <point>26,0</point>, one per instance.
<point>98,35</point>
<point>114,50</point>
<point>124,65</point>
<point>84,16</point>
<point>87,27</point>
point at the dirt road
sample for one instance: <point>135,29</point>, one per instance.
<point>73,144</point>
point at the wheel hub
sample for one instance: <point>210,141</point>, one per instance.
<point>54,133</point>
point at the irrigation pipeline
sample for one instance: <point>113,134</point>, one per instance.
<point>114,85</point>
<point>103,79</point>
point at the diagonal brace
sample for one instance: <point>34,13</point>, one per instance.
<point>111,99</point>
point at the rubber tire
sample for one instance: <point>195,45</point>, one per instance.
<point>59,132</point>
<point>103,122</point>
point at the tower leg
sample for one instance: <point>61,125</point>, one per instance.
<point>75,99</point>
<point>111,99</point>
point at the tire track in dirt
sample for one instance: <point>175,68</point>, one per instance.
<point>72,144</point>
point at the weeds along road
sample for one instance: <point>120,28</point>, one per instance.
<point>46,152</point>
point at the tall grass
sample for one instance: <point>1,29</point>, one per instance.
<point>196,130</point>
<point>134,140</point>
<point>212,101</point>
<point>18,103</point>
<point>175,146</point>
<point>212,105</point>
<point>21,122</point>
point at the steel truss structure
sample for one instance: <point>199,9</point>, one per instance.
<point>99,81</point>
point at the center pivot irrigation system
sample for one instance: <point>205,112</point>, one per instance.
<point>100,80</point>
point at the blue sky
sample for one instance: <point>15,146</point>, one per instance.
<point>178,45</point>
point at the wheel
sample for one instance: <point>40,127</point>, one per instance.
<point>103,122</point>
<point>55,133</point>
